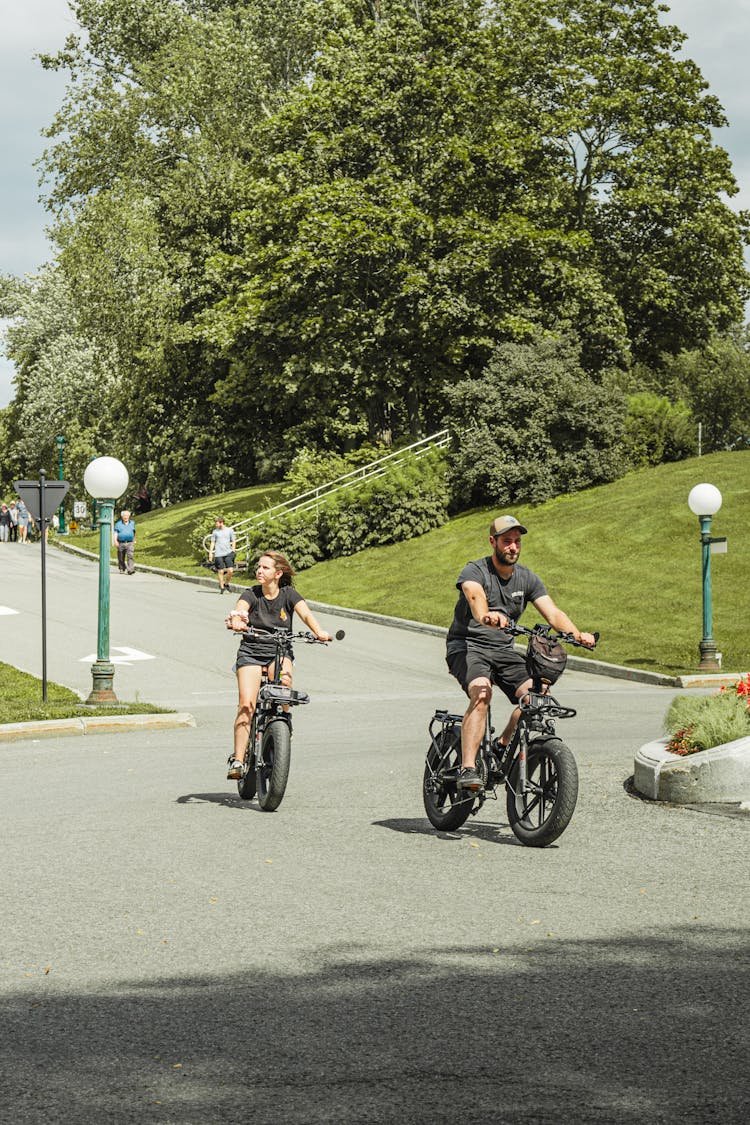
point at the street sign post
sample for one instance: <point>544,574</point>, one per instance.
<point>42,498</point>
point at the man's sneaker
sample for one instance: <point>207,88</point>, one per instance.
<point>468,778</point>
<point>234,773</point>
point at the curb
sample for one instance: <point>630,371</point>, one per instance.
<point>575,663</point>
<point>720,775</point>
<point>196,579</point>
<point>97,724</point>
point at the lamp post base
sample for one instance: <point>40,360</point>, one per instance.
<point>102,691</point>
<point>709,661</point>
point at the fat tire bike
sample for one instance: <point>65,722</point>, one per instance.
<point>537,769</point>
<point>265,770</point>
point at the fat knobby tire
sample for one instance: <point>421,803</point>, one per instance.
<point>273,767</point>
<point>446,806</point>
<point>540,816</point>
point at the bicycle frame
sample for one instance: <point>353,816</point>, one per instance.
<point>273,695</point>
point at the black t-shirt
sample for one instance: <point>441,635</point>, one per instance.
<point>268,613</point>
<point>509,595</point>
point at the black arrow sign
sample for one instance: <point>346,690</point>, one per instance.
<point>32,491</point>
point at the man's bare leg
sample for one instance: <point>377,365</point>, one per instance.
<point>475,720</point>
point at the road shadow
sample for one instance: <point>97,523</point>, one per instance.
<point>226,800</point>
<point>471,830</point>
<point>617,1029</point>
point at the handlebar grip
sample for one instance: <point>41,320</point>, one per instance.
<point>340,634</point>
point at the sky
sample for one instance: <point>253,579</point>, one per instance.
<point>718,40</point>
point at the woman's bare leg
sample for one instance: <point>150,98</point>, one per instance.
<point>248,685</point>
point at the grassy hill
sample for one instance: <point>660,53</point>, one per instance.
<point>623,558</point>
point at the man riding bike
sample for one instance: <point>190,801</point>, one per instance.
<point>493,591</point>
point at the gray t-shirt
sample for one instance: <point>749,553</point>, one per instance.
<point>509,595</point>
<point>222,538</point>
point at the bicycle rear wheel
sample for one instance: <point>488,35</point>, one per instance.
<point>446,806</point>
<point>543,811</point>
<point>273,768</point>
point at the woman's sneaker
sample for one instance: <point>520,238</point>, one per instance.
<point>234,773</point>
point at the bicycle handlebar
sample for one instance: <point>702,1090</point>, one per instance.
<point>557,635</point>
<point>286,635</point>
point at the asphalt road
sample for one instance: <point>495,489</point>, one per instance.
<point>172,954</point>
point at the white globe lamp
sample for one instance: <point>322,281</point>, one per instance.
<point>105,478</point>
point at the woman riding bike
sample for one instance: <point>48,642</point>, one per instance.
<point>269,605</point>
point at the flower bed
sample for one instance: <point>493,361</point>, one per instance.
<point>693,724</point>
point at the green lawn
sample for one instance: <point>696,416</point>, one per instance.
<point>623,558</point>
<point>21,701</point>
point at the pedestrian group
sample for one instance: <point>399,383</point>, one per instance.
<point>15,522</point>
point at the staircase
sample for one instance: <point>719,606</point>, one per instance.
<point>313,497</point>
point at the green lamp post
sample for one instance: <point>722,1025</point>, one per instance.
<point>61,510</point>
<point>105,478</point>
<point>704,501</point>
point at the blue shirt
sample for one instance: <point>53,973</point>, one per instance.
<point>125,532</point>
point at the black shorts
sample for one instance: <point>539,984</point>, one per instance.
<point>225,562</point>
<point>505,667</point>
<point>257,658</point>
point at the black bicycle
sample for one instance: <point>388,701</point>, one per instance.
<point>265,770</point>
<point>537,769</point>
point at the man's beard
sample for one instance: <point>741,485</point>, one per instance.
<point>503,558</point>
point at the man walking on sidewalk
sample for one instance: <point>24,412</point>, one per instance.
<point>124,531</point>
<point>222,548</point>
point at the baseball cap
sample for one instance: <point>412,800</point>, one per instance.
<point>505,523</point>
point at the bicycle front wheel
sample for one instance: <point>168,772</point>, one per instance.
<point>273,767</point>
<point>447,807</point>
<point>542,812</point>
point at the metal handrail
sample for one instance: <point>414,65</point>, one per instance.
<point>309,499</point>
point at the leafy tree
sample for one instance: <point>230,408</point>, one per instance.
<point>630,123</point>
<point>715,382</point>
<point>146,166</point>
<point>64,381</point>
<point>295,223</point>
<point>535,425</point>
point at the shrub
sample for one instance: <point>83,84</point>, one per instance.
<point>406,501</point>
<point>534,426</point>
<point>311,468</point>
<point>296,536</point>
<point>657,430</point>
<point>698,723</point>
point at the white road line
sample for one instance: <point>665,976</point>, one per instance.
<point>6,611</point>
<point>126,655</point>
